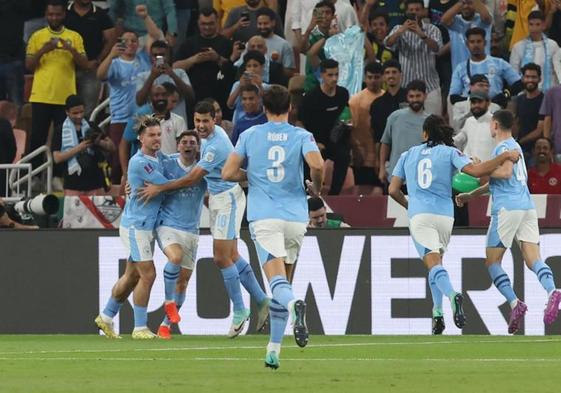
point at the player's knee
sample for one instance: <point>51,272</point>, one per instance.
<point>222,261</point>
<point>176,258</point>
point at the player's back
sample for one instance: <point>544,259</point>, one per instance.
<point>428,173</point>
<point>181,209</point>
<point>511,193</point>
<point>275,157</point>
<point>142,215</point>
<point>214,151</point>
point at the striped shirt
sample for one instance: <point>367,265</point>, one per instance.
<point>416,59</point>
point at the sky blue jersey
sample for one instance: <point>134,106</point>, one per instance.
<point>511,193</point>
<point>137,214</point>
<point>214,151</point>
<point>428,173</point>
<point>275,158</point>
<point>181,209</point>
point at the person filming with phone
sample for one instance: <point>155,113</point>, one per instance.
<point>241,23</point>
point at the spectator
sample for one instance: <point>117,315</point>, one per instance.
<point>493,68</point>
<point>12,14</point>
<point>545,176</point>
<point>6,221</point>
<point>377,31</point>
<point>241,24</point>
<point>226,125</point>
<point>516,25</point>
<point>403,129</point>
<point>319,216</point>
<point>474,139</point>
<point>205,57</point>
<point>551,112</point>
<point>120,69</point>
<point>393,8</point>
<point>162,12</point>
<point>538,49</point>
<point>528,125</point>
<point>417,43</point>
<point>52,54</point>
<point>252,70</point>
<point>555,30</point>
<point>365,161</point>
<point>314,38</point>
<point>171,125</point>
<point>8,150</point>
<point>82,148</point>
<point>252,114</point>
<point>389,102</point>
<point>459,19</point>
<point>163,72</point>
<point>319,112</point>
<point>278,49</point>
<point>461,110</point>
<point>97,31</point>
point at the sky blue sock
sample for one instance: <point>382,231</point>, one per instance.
<point>436,299</point>
<point>248,280</point>
<point>441,279</point>
<point>279,318</point>
<point>232,284</point>
<point>501,281</point>
<point>545,275</point>
<point>140,316</point>
<point>179,299</point>
<point>171,273</point>
<point>112,307</point>
<point>282,290</point>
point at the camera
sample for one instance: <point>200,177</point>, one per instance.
<point>43,204</point>
<point>93,133</point>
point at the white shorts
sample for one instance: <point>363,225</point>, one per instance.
<point>139,243</point>
<point>188,242</point>
<point>226,213</point>
<point>431,232</point>
<point>277,239</point>
<point>508,225</point>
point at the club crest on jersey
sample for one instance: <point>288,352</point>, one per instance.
<point>148,168</point>
<point>209,157</point>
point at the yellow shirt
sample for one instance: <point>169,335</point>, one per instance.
<point>226,6</point>
<point>55,76</point>
<point>362,135</point>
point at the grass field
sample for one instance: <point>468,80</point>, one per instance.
<point>329,364</point>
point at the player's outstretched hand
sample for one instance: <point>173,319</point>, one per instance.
<point>310,189</point>
<point>148,192</point>
<point>513,155</point>
<point>462,198</point>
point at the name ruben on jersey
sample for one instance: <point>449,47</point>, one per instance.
<point>277,136</point>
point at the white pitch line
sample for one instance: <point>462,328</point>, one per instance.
<point>311,346</point>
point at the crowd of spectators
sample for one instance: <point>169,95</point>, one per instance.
<point>462,59</point>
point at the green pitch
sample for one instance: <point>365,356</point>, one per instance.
<point>329,364</point>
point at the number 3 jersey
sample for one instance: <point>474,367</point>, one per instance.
<point>511,193</point>
<point>275,158</point>
<point>428,173</point>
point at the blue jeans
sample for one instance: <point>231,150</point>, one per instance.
<point>11,82</point>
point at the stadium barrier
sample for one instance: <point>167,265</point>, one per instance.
<point>355,282</point>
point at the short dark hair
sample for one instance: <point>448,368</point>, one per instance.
<point>417,85</point>
<point>543,138</point>
<point>188,133</point>
<point>378,14</point>
<point>505,118</point>
<point>276,100</point>
<point>210,101</point>
<point>373,67</point>
<point>475,31</point>
<point>315,203</point>
<point>159,44</point>
<point>531,67</point>
<point>56,3</point>
<point>208,11</point>
<point>204,107</point>
<point>477,78</point>
<point>73,101</point>
<point>254,55</point>
<point>251,87</point>
<point>144,122</point>
<point>264,11</point>
<point>537,14</point>
<point>326,4</point>
<point>327,64</point>
<point>408,2</point>
<point>391,64</point>
<point>170,88</point>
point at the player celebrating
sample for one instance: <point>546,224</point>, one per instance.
<point>427,169</point>
<point>177,230</point>
<point>277,208</point>
<point>513,216</point>
<point>137,234</point>
<point>226,205</point>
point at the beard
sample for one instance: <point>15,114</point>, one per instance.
<point>416,106</point>
<point>531,86</point>
<point>160,105</point>
<point>265,32</point>
<point>478,112</point>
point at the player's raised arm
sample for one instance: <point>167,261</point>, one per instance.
<point>152,190</point>
<point>232,170</point>
<point>498,165</point>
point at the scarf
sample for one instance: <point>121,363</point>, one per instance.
<point>70,140</point>
<point>529,55</point>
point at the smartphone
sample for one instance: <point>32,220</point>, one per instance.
<point>159,61</point>
<point>244,15</point>
<point>241,45</point>
<point>411,17</point>
<point>247,75</point>
<point>122,43</point>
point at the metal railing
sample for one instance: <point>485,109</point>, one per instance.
<point>46,166</point>
<point>11,195</point>
<point>97,110</point>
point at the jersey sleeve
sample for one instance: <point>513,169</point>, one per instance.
<point>399,169</point>
<point>33,45</point>
<point>148,171</point>
<point>209,160</point>
<point>500,149</point>
<point>459,159</point>
<point>309,143</point>
<point>240,148</point>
